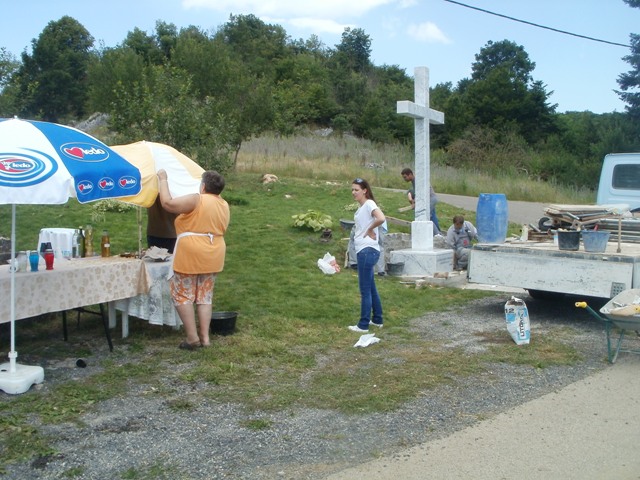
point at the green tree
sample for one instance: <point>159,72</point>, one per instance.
<point>630,81</point>
<point>505,55</point>
<point>502,94</point>
<point>114,69</point>
<point>53,79</point>
<point>259,45</point>
<point>9,66</point>
<point>302,93</point>
<point>145,46</point>
<point>354,50</point>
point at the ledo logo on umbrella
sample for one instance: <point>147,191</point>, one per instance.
<point>24,169</point>
<point>106,184</point>
<point>84,187</point>
<point>85,152</point>
<point>127,182</point>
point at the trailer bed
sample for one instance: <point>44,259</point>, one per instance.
<point>542,267</point>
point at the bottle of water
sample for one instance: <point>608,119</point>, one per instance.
<point>75,244</point>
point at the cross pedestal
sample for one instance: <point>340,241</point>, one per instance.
<point>422,259</point>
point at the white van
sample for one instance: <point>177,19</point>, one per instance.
<point>620,180</point>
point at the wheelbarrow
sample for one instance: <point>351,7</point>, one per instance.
<point>623,313</point>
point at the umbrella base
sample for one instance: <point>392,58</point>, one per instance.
<point>21,380</point>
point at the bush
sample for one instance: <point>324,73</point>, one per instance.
<point>313,220</point>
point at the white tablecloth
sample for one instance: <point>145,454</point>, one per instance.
<point>155,306</point>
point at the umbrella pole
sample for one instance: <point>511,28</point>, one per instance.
<point>16,378</point>
<point>139,232</point>
<point>12,353</point>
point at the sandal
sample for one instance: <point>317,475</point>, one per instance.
<point>189,346</point>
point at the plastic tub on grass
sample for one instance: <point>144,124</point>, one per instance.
<point>595,241</point>
<point>223,323</point>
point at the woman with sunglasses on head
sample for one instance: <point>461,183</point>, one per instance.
<point>368,219</point>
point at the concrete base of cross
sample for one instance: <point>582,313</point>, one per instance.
<point>420,263</point>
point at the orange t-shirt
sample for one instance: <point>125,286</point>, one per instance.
<point>196,253</point>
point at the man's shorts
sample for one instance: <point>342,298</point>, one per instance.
<point>188,288</point>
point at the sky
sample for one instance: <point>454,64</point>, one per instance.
<point>437,34</point>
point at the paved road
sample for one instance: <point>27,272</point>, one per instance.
<point>519,212</point>
<point>588,430</point>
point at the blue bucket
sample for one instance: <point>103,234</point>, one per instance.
<point>595,241</point>
<point>492,217</point>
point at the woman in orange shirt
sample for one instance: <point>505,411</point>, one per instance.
<point>199,253</point>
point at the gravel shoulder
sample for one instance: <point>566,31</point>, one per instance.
<point>140,432</point>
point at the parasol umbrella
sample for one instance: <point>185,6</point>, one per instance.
<point>183,174</point>
<point>47,163</point>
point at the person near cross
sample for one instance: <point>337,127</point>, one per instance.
<point>459,237</point>
<point>408,176</point>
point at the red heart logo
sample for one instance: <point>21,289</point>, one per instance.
<point>103,183</point>
<point>81,187</point>
<point>74,152</point>
<point>123,182</point>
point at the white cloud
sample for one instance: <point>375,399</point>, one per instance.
<point>325,9</point>
<point>319,25</point>
<point>427,32</point>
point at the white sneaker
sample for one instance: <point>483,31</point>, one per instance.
<point>356,328</point>
<point>379,325</point>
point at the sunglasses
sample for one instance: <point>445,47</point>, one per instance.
<point>358,181</point>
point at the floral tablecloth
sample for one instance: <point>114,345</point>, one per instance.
<point>71,284</point>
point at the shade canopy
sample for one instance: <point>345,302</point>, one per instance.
<point>183,174</point>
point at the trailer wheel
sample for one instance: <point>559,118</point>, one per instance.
<point>544,295</point>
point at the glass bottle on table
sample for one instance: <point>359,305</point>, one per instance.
<point>75,244</point>
<point>80,243</point>
<point>22,261</point>
<point>105,244</point>
<point>88,241</point>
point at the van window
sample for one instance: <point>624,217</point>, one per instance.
<point>626,177</point>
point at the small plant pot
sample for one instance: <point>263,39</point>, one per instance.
<point>223,323</point>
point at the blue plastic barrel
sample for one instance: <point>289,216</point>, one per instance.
<point>492,217</point>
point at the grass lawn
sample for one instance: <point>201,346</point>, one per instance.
<point>292,348</point>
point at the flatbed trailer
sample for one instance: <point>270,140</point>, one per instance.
<point>543,269</point>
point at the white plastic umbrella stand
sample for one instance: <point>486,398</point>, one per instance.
<point>16,378</point>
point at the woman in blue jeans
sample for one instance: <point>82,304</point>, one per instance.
<point>367,218</point>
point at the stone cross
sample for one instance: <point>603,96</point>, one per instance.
<point>422,227</point>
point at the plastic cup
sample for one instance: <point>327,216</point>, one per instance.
<point>48,259</point>
<point>34,258</point>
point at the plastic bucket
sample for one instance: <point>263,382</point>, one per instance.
<point>492,217</point>
<point>395,268</point>
<point>595,241</point>
<point>568,240</point>
<point>223,323</point>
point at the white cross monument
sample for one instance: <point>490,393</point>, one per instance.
<point>422,259</point>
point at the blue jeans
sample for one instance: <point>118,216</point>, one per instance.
<point>369,298</point>
<point>434,219</point>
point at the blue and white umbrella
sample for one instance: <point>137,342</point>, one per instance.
<point>45,163</point>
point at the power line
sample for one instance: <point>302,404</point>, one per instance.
<point>537,25</point>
